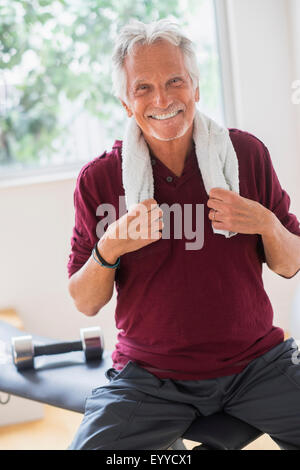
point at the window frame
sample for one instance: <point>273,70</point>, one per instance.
<point>228,65</point>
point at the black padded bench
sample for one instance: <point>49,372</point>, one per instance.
<point>55,381</point>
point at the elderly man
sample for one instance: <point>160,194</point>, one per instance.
<point>196,326</point>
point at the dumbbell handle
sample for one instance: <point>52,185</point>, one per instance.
<point>57,348</point>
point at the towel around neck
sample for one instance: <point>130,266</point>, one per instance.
<point>216,158</point>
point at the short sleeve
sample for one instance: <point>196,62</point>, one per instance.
<point>84,231</point>
<point>275,198</point>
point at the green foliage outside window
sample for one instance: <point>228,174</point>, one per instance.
<point>66,47</point>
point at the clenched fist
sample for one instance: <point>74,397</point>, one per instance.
<point>139,227</point>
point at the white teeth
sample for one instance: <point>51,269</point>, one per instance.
<point>165,116</point>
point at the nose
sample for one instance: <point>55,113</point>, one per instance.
<point>161,99</point>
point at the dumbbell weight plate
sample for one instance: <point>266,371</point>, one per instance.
<point>92,342</point>
<point>22,350</point>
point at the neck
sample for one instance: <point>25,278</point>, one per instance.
<point>172,153</point>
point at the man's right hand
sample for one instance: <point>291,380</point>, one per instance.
<point>139,227</point>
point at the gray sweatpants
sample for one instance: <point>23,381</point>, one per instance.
<point>136,410</point>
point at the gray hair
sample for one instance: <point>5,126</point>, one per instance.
<point>137,32</point>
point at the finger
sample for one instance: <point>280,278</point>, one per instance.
<point>150,204</point>
<point>161,224</point>
<point>219,224</point>
<point>219,193</point>
<point>141,209</point>
<point>212,214</point>
<point>156,213</point>
<point>156,224</point>
<point>215,204</point>
<point>155,209</point>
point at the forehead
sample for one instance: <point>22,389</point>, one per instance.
<point>148,62</point>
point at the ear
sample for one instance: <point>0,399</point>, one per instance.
<point>197,94</point>
<point>128,110</point>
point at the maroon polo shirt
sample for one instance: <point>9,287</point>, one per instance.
<point>187,314</point>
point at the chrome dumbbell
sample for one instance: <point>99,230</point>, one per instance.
<point>24,351</point>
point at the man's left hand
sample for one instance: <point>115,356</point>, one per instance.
<point>236,213</point>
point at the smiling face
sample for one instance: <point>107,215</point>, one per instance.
<point>160,92</point>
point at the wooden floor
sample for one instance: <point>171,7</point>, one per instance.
<point>56,430</point>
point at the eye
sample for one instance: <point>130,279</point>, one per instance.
<point>174,79</point>
<point>141,87</point>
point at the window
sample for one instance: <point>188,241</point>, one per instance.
<point>56,107</point>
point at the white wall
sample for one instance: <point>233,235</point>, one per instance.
<point>37,219</point>
<point>265,67</point>
<point>36,226</point>
<point>294,14</point>
<point>265,48</point>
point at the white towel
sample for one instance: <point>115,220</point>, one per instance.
<point>216,157</point>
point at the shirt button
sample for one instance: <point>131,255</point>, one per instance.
<point>169,179</point>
